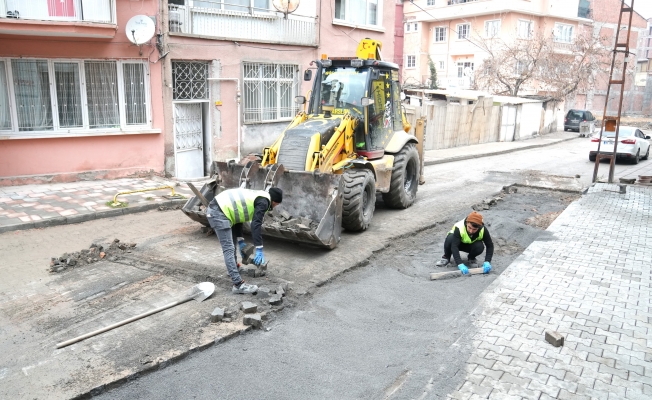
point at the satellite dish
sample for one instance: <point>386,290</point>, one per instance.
<point>286,6</point>
<point>140,29</point>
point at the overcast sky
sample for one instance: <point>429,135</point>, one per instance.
<point>643,7</point>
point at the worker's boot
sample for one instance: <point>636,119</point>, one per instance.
<point>442,262</point>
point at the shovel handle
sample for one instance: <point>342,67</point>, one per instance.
<point>123,322</point>
<point>452,274</point>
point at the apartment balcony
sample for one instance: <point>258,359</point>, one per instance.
<point>71,18</point>
<point>246,25</point>
<point>456,9</point>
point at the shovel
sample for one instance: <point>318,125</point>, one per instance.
<point>199,292</point>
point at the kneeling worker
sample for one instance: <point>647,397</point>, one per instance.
<point>468,236</point>
<point>226,213</point>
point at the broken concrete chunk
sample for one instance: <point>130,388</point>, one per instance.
<point>228,313</point>
<point>263,292</point>
<point>554,338</point>
<point>275,299</point>
<point>280,291</point>
<point>289,223</point>
<point>71,262</point>
<point>253,319</point>
<point>217,315</point>
<point>249,307</point>
<point>286,215</point>
<point>303,227</point>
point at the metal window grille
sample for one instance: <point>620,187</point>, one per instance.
<point>102,94</point>
<point>5,110</point>
<point>135,95</point>
<point>269,91</point>
<point>32,94</point>
<point>189,80</point>
<point>68,91</point>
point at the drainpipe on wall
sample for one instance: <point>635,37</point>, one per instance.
<point>238,97</point>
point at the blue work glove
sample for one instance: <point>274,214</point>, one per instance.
<point>259,259</point>
<point>242,245</point>
<point>464,269</point>
<point>486,267</point>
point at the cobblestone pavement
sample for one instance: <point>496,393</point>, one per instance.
<point>34,206</point>
<point>591,283</point>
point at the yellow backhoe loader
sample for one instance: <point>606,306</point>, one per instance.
<point>350,142</point>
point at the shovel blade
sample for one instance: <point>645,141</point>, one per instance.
<point>202,291</point>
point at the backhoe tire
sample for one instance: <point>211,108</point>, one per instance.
<point>359,199</point>
<point>405,178</point>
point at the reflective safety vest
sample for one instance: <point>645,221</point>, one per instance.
<point>238,204</point>
<point>465,236</point>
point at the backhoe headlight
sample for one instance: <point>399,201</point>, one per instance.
<point>356,63</point>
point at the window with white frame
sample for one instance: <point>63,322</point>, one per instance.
<point>52,95</point>
<point>440,34</point>
<point>234,5</point>
<point>411,27</point>
<point>524,29</point>
<point>442,65</point>
<point>431,2</point>
<point>563,33</point>
<point>411,62</point>
<point>492,28</point>
<point>269,91</point>
<point>463,31</point>
<point>464,68</point>
<point>520,67</point>
<point>359,12</point>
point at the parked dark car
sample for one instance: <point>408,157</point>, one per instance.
<point>575,117</point>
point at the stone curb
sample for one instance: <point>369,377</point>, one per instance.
<point>75,219</point>
<point>494,153</point>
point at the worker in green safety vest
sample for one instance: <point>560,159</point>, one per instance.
<point>227,212</point>
<point>468,235</point>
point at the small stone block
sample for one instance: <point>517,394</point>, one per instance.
<point>249,307</point>
<point>251,272</point>
<point>554,338</point>
<point>280,291</point>
<point>303,227</point>
<point>217,315</point>
<point>249,249</point>
<point>259,272</point>
<point>275,299</point>
<point>228,313</point>
<point>263,292</point>
<point>253,319</point>
<point>286,215</point>
<point>226,320</point>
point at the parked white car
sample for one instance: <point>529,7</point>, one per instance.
<point>633,144</point>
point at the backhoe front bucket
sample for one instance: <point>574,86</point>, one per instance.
<point>311,211</point>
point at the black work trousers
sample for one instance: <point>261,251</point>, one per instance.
<point>474,249</point>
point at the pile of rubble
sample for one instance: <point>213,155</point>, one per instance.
<point>93,254</point>
<point>253,314</point>
<point>283,219</point>
<point>487,203</point>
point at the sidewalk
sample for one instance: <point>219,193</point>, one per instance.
<point>593,288</point>
<point>39,206</point>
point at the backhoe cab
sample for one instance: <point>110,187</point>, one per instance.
<point>350,141</point>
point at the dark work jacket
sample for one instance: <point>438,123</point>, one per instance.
<point>457,241</point>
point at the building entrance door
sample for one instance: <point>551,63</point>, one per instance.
<point>188,140</point>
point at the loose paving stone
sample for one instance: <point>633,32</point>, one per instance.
<point>254,320</point>
<point>554,338</point>
<point>249,307</point>
<point>275,299</point>
<point>217,315</point>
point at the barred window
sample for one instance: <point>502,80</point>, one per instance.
<point>54,96</point>
<point>269,91</point>
<point>189,80</point>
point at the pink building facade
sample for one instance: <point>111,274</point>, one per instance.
<point>231,71</point>
<point>78,100</point>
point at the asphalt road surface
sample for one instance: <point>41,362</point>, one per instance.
<point>383,330</point>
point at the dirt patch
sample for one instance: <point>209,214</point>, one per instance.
<point>542,221</point>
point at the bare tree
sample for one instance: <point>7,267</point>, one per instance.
<point>541,64</point>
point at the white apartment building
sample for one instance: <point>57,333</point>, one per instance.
<point>447,30</point>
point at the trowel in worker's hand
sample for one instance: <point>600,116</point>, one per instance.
<point>199,292</point>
